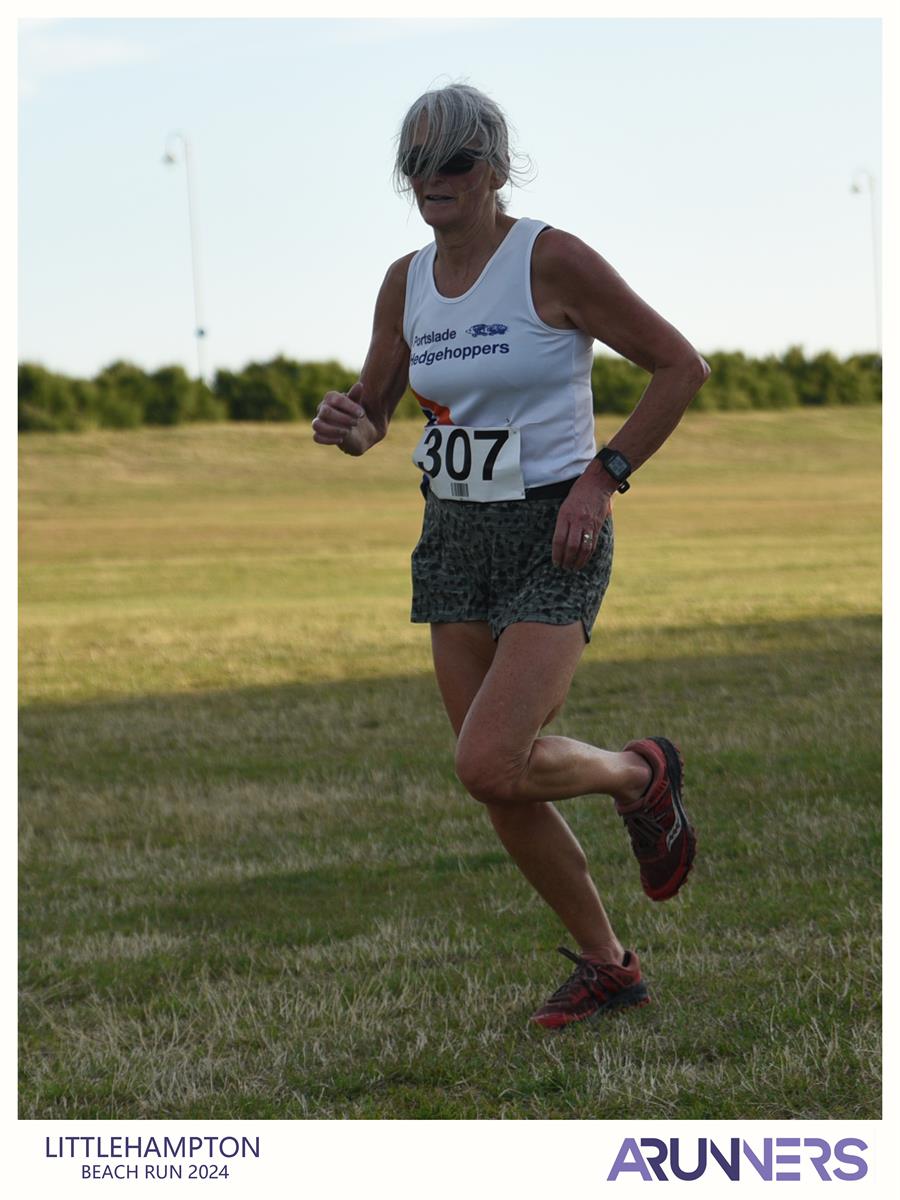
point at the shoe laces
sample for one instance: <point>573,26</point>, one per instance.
<point>585,972</point>
<point>643,829</point>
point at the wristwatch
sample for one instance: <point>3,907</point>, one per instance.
<point>617,465</point>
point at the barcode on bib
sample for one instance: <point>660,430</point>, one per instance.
<point>459,489</point>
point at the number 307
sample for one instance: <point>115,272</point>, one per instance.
<point>457,451</point>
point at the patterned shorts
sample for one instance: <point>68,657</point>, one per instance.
<point>493,562</point>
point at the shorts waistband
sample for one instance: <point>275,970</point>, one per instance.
<point>552,491</point>
<point>547,491</point>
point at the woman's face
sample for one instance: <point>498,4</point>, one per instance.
<point>447,200</point>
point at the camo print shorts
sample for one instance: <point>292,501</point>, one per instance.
<point>493,562</point>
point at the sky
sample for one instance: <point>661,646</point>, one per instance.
<point>709,160</point>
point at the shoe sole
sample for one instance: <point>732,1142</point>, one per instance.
<point>675,772</point>
<point>635,996</point>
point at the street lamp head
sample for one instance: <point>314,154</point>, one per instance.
<point>170,158</point>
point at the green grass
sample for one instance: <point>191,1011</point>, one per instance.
<point>251,885</point>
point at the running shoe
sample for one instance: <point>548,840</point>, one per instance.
<point>594,988</point>
<point>662,837</point>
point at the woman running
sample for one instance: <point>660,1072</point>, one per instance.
<point>492,327</point>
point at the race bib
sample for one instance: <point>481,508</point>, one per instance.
<point>464,463</point>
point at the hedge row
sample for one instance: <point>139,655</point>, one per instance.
<point>122,396</point>
<point>738,382</point>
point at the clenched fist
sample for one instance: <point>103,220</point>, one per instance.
<point>338,416</point>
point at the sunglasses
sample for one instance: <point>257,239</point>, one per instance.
<point>460,164</point>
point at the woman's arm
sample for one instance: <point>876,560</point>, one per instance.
<point>581,290</point>
<point>574,287</point>
<point>356,420</point>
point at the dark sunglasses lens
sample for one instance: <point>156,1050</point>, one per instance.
<point>459,164</point>
<point>411,163</point>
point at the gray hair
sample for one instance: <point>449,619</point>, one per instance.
<point>457,115</point>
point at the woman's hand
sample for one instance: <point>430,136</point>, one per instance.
<point>344,419</point>
<point>338,416</point>
<point>581,518</point>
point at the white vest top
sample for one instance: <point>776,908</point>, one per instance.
<point>486,359</point>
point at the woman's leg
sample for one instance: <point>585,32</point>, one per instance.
<point>546,851</point>
<point>534,833</point>
<point>500,756</point>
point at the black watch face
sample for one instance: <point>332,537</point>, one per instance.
<point>616,465</point>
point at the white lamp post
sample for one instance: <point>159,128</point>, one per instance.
<point>864,181</point>
<point>170,159</point>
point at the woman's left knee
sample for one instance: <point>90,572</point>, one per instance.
<point>486,777</point>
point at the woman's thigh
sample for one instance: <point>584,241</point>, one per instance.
<point>463,652</point>
<point>499,695</point>
<point>524,689</point>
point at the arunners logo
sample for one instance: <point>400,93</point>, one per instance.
<point>646,1157</point>
<point>486,330</point>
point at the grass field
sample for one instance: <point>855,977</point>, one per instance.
<point>251,885</point>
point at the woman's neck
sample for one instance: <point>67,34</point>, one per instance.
<point>463,251</point>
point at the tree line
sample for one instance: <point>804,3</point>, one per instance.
<point>123,396</point>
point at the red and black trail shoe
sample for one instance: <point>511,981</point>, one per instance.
<point>662,837</point>
<point>592,989</point>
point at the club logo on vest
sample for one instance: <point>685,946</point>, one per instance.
<point>486,330</point>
